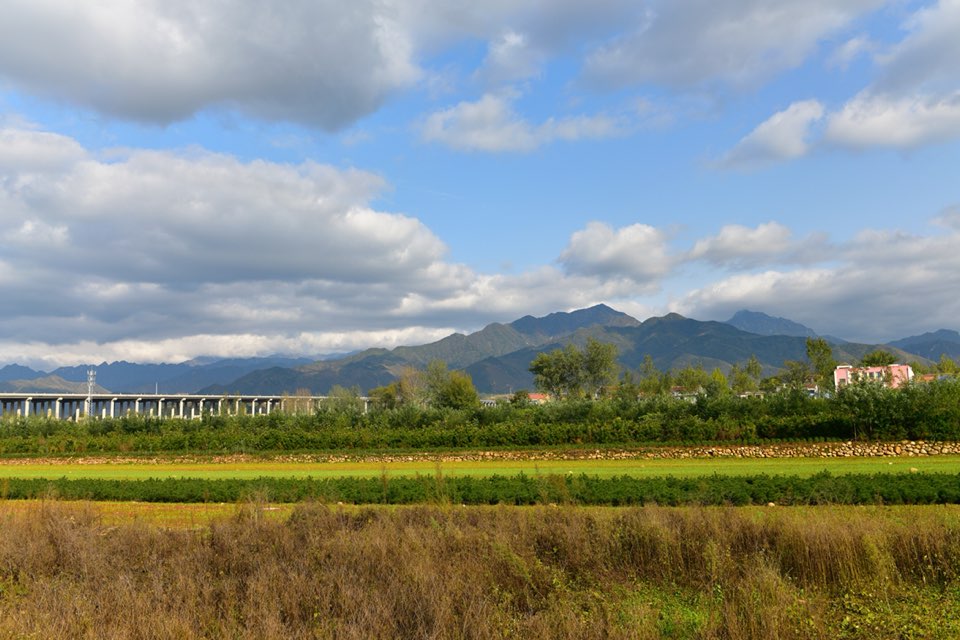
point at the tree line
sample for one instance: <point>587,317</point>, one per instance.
<point>592,372</point>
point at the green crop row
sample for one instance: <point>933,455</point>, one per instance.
<point>518,490</point>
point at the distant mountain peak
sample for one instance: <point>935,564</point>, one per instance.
<point>932,344</point>
<point>766,325</point>
<point>566,322</point>
<point>670,317</point>
<point>47,384</point>
<point>944,335</point>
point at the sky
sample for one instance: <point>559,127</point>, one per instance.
<point>240,178</point>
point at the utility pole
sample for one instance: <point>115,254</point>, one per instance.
<point>91,380</point>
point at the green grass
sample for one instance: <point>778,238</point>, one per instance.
<point>640,468</point>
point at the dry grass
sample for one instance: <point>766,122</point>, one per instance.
<point>453,572</point>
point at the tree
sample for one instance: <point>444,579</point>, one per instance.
<point>342,399</point>
<point>919,368</point>
<point>435,386</point>
<point>558,372</point>
<point>820,355</point>
<point>753,368</point>
<point>692,379</point>
<point>456,392</point>
<point>797,373</point>
<point>878,358</point>
<point>520,398</point>
<point>947,365</point>
<point>571,372</point>
<point>411,387</point>
<point>627,388</point>
<point>741,381</point>
<point>770,384</point>
<point>652,380</point>
<point>599,367</point>
<point>385,397</point>
<point>717,384</point>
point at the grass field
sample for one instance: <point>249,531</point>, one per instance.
<point>85,570</point>
<point>164,515</point>
<point>195,516</point>
<point>692,467</point>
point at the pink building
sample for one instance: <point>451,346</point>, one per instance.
<point>893,376</point>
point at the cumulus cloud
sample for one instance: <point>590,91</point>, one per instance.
<point>690,43</point>
<point>491,124</point>
<point>949,217</point>
<point>736,243</point>
<point>925,60</point>
<point>152,242</point>
<point>198,216</point>
<point>319,63</point>
<point>327,64</point>
<point>846,53</point>
<point>637,253</point>
<point>511,57</point>
<point>167,255</point>
<point>914,102</point>
<point>870,295</point>
<point>69,353</point>
<point>784,136</point>
<point>916,99</point>
<point>881,120</point>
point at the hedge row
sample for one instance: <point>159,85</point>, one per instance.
<point>516,490</point>
<point>866,412</point>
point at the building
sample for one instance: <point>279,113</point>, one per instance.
<point>891,376</point>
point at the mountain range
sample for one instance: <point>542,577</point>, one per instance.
<point>129,377</point>
<point>497,357</point>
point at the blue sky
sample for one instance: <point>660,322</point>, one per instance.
<point>184,179</point>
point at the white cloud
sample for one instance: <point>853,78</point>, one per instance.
<point>637,252</point>
<point>37,234</point>
<point>949,217</point>
<point>160,255</point>
<point>886,285</point>
<point>491,124</point>
<point>686,43</point>
<point>154,241</point>
<point>783,136</point>
<point>911,121</point>
<point>914,102</point>
<point>916,99</point>
<point>24,150</point>
<point>738,244</point>
<point>319,63</point>
<point>51,355</point>
<point>511,57</point>
<point>846,53</point>
<point>924,61</point>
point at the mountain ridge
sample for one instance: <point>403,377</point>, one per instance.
<point>767,325</point>
<point>497,356</point>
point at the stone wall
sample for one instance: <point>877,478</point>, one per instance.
<point>808,450</point>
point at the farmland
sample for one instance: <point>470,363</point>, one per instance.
<point>529,463</point>
<point>416,532</point>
